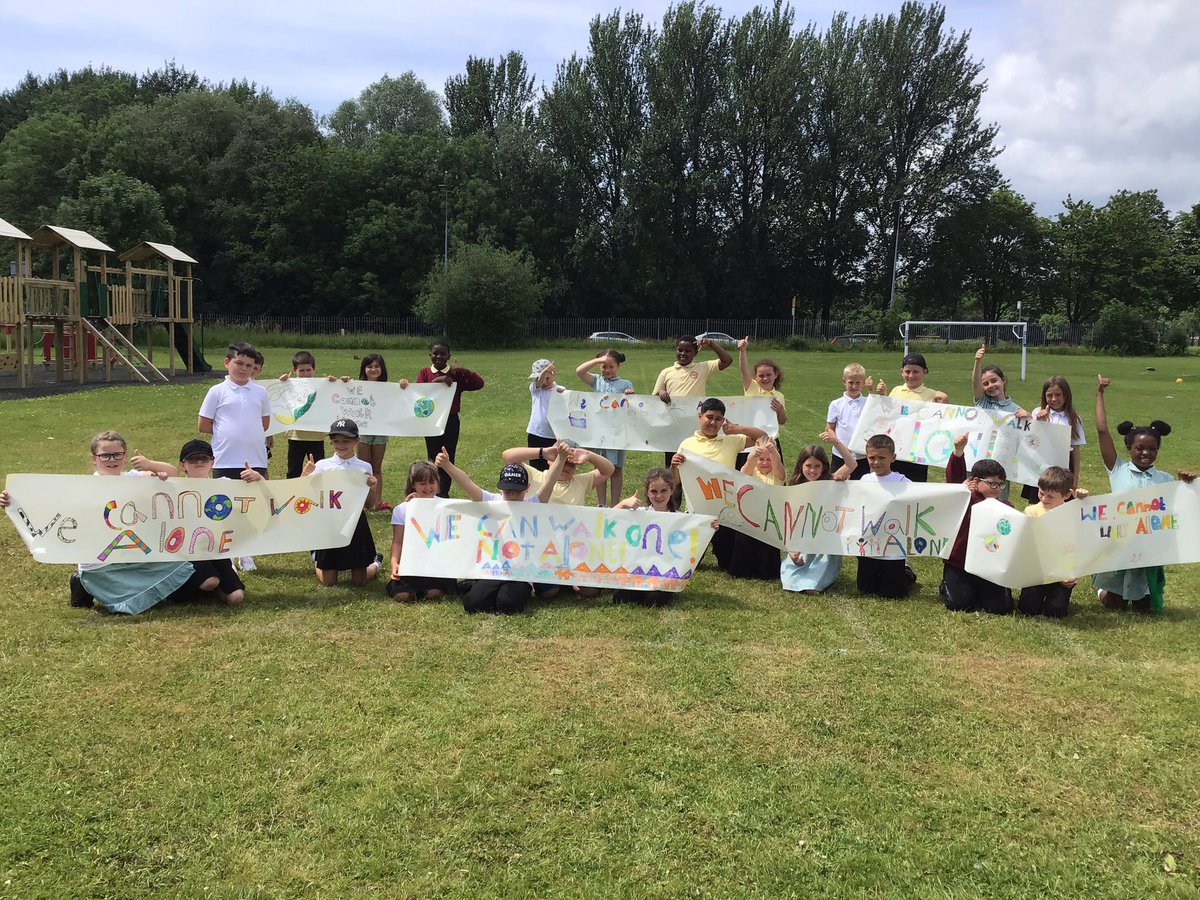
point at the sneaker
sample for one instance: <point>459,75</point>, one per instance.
<point>246,563</point>
<point>383,506</point>
<point>80,598</point>
<point>910,575</point>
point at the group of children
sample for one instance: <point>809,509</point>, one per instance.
<point>236,413</point>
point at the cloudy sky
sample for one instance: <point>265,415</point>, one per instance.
<point>1091,96</point>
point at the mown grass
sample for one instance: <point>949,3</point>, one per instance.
<point>740,743</point>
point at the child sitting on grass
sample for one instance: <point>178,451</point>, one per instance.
<point>1054,489</point>
<point>962,591</point>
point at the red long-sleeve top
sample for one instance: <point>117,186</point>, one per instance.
<point>956,473</point>
<point>464,380</point>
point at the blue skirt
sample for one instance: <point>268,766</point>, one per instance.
<point>133,588</point>
<point>817,573</point>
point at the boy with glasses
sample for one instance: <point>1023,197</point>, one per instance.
<point>961,591</point>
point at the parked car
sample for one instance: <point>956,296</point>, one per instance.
<point>717,337</point>
<point>613,337</point>
<point>853,339</point>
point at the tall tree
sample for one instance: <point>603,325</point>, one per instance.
<point>489,94</point>
<point>933,152</point>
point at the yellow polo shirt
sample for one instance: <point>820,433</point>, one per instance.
<point>686,381</point>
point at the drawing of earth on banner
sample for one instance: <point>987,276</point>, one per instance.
<point>378,408</point>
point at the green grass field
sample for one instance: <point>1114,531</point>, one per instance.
<point>329,742</point>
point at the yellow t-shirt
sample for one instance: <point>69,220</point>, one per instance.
<point>755,391</point>
<point>571,493</point>
<point>724,448</point>
<point>1033,510</point>
<point>924,392</point>
<point>686,381</point>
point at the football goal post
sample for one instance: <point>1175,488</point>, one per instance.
<point>984,332</point>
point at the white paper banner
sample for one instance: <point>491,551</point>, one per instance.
<point>838,518</point>
<point>1133,529</point>
<point>603,421</point>
<point>633,549</point>
<point>85,519</point>
<point>377,407</point>
<point>924,433</point>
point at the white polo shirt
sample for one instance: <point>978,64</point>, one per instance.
<point>237,411</point>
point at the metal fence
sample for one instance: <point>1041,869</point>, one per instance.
<point>656,329</point>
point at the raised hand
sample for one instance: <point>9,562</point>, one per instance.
<point>309,465</point>
<point>1102,383</point>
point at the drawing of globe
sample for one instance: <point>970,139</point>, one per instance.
<point>423,408</point>
<point>1004,526</point>
<point>217,507</point>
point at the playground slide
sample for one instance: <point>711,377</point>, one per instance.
<point>181,344</point>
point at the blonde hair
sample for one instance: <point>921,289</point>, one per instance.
<point>854,369</point>
<point>107,436</point>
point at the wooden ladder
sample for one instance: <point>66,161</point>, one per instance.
<point>111,333</point>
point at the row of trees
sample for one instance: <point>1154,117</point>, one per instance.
<point>699,166</point>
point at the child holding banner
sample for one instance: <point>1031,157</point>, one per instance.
<point>608,382</point>
<point>1143,589</point>
<point>813,573</point>
<point>359,555</point>
<point>888,577</point>
<point>1055,487</point>
<point>372,447</point>
<point>1059,408</point>
<point>128,588</point>
<point>721,441</point>
<point>750,557</point>
<point>439,371</point>
<point>486,594</point>
<point>688,378</point>
<point>763,381</point>
<point>961,590</point>
<point>913,371</point>
<point>422,483</point>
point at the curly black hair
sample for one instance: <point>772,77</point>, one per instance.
<point>1156,429</point>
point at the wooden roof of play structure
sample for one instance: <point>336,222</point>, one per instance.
<point>12,231</point>
<point>56,235</point>
<point>150,249</point>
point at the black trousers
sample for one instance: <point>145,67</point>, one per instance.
<point>1045,600</point>
<point>884,577</point>
<point>963,592</point>
<point>236,473</point>
<point>299,452</point>
<point>912,471</point>
<point>449,440</point>
<point>536,440</point>
<point>861,467</point>
<point>504,597</point>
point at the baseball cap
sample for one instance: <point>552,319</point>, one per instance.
<point>513,478</point>
<point>196,447</point>
<point>913,359</point>
<point>345,427</point>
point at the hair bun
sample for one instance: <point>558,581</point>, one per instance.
<point>1161,427</point>
<point>1125,427</point>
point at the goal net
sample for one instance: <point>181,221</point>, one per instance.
<point>923,333</point>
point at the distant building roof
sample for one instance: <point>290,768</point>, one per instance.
<point>147,249</point>
<point>12,231</point>
<point>51,235</point>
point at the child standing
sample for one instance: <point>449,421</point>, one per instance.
<point>1055,487</point>
<point>422,483</point>
<point>609,382</point>
<point>688,378</point>
<point>538,432</point>
<point>886,577</point>
<point>913,371</point>
<point>490,595</point>
<point>990,387</point>
<point>303,444</point>
<point>844,413</point>
<point>236,413</point>
<point>762,381</point>
<point>750,557</point>
<point>359,555</point>
<point>439,371</point>
<point>812,573</point>
<point>1143,589</point>
<point>1058,407</point>
<point>372,447</point>
<point>960,590</point>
